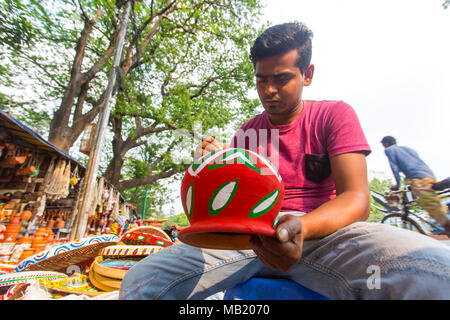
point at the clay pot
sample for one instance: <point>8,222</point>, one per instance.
<point>39,244</point>
<point>15,219</point>
<point>26,215</point>
<point>60,223</point>
<point>24,240</point>
<point>27,170</point>
<point>13,227</point>
<point>10,237</point>
<point>27,253</point>
<point>50,224</point>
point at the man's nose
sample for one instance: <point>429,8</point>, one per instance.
<point>271,88</point>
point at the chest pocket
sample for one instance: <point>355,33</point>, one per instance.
<point>317,167</point>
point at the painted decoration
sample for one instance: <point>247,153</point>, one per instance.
<point>230,192</point>
<point>28,277</point>
<point>14,292</point>
<point>145,238</point>
<point>64,248</point>
<point>7,267</point>
<point>76,284</point>
<point>129,250</point>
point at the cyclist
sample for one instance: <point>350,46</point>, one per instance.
<point>418,176</point>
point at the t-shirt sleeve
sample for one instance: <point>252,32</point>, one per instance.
<point>344,132</point>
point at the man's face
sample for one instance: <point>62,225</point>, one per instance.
<point>280,84</point>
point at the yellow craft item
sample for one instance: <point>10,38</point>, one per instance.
<point>104,283</point>
<point>106,271</point>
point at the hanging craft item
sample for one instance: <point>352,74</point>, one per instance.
<point>74,176</point>
<point>16,155</point>
<point>228,195</point>
<point>65,182</point>
<point>87,138</point>
<point>31,166</point>
<point>60,257</point>
<point>58,185</point>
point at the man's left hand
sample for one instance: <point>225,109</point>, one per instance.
<point>283,251</point>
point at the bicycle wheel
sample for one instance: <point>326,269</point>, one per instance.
<point>398,220</point>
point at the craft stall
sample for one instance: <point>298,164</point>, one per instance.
<point>109,212</point>
<point>39,187</point>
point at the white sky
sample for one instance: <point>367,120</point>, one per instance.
<point>390,60</point>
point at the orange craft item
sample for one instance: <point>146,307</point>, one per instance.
<point>26,215</point>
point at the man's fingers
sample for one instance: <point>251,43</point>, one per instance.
<point>258,248</point>
<point>212,141</point>
<point>288,227</point>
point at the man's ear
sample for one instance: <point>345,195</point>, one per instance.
<point>308,76</point>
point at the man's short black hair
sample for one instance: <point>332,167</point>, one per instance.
<point>282,38</point>
<point>388,140</point>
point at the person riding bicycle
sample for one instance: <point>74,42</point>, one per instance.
<point>327,247</point>
<point>418,176</point>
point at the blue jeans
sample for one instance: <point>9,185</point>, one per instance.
<point>361,261</point>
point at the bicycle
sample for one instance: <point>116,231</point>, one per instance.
<point>397,206</point>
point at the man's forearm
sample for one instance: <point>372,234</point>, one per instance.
<point>348,207</point>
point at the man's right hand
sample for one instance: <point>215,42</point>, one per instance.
<point>208,145</point>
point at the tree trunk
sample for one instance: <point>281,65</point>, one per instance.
<point>60,132</point>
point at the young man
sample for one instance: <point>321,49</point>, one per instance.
<point>321,153</point>
<point>417,175</point>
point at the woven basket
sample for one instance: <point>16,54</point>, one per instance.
<point>76,257</point>
<point>107,271</point>
<point>104,283</point>
<point>140,239</point>
<point>149,229</point>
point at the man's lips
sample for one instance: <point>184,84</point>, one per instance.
<point>271,101</point>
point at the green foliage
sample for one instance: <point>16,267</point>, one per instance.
<point>156,197</point>
<point>446,4</point>
<point>15,29</point>
<point>381,186</point>
<point>184,62</point>
<point>179,219</point>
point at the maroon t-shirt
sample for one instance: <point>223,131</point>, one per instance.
<point>300,149</point>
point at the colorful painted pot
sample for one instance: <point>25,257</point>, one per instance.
<point>228,195</point>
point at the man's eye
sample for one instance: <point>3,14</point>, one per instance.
<point>283,80</point>
<point>261,80</point>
